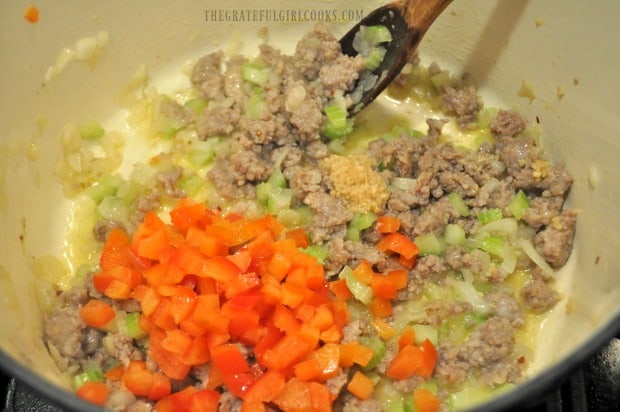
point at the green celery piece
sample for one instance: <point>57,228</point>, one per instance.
<point>336,116</point>
<point>482,137</point>
<point>277,178</point>
<point>200,158</point>
<point>336,123</point>
<point>374,58</point>
<point>318,252</point>
<point>91,130</point>
<point>255,105</point>
<point>360,221</point>
<point>107,185</point>
<point>423,332</point>
<point>492,244</point>
<point>191,185</point>
<point>429,244</point>
<point>377,34</point>
<point>305,215</point>
<point>458,204</point>
<point>279,199</point>
<point>197,105</point>
<point>93,375</point>
<point>441,79</point>
<point>454,234</point>
<point>361,292</point>
<point>378,348</point>
<point>519,204</point>
<point>490,215</point>
<point>486,116</point>
<point>336,133</point>
<point>336,146</point>
<point>113,208</point>
<point>252,73</point>
<point>132,326</point>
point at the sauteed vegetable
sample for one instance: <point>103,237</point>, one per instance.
<point>271,254</point>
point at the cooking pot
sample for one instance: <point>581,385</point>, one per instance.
<point>553,61</point>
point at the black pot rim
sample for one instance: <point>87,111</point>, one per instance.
<point>533,389</point>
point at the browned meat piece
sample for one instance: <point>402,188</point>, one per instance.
<point>555,242</point>
<point>330,216</point>
<point>207,75</point>
<point>507,123</point>
<point>464,103</point>
<point>539,295</point>
<point>314,50</point>
<point>542,210</point>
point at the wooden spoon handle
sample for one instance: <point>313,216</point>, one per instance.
<point>420,14</point>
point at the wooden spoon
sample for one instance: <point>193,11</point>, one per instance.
<point>408,21</point>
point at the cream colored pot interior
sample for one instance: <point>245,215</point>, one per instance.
<point>561,52</point>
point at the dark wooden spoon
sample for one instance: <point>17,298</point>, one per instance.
<point>408,21</point>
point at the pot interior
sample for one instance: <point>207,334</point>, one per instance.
<point>508,48</point>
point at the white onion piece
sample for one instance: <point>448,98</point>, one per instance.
<point>533,254</point>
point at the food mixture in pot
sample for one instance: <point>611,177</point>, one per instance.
<point>271,254</point>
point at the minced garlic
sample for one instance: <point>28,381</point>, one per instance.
<point>356,182</point>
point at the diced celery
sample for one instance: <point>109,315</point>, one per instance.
<point>336,123</point>
<point>493,244</point>
<point>360,221</point>
<point>430,385</point>
<point>361,292</point>
<point>91,130</point>
<point>519,204</point>
<point>319,252</point>
<point>191,185</point>
<point>429,244</point>
<point>113,208</point>
<point>336,146</point>
<point>374,58</point>
<point>107,185</point>
<point>279,199</point>
<point>486,116</point>
<point>441,79</point>
<point>200,158</point>
<point>289,218</point>
<point>203,152</point>
<point>305,215</point>
<point>277,178</point>
<point>390,397</point>
<point>490,215</point>
<point>255,105</point>
<point>377,34</point>
<point>482,287</point>
<point>132,326</point>
<point>254,74</point>
<point>272,194</point>
<point>378,349</point>
<point>336,116</point>
<point>458,204</point>
<point>127,191</point>
<point>454,234</point>
<point>94,375</point>
<point>481,138</point>
<point>423,332</point>
<point>197,105</point>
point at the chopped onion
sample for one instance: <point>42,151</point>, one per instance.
<point>533,254</point>
<point>504,227</point>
